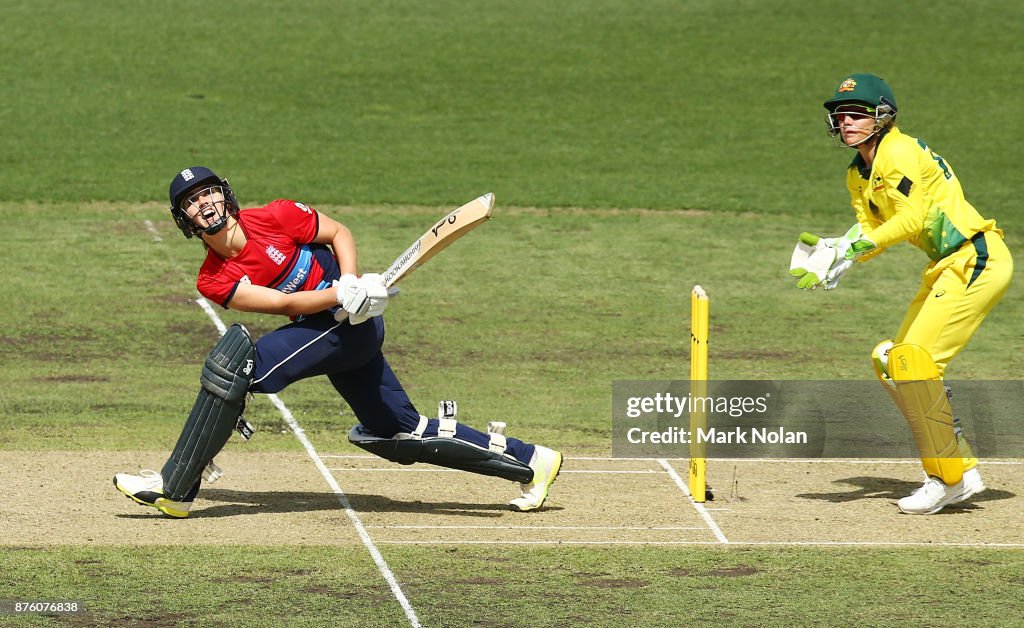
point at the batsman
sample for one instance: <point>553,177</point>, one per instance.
<point>902,190</point>
<point>289,259</point>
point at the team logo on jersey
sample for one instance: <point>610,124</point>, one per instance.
<point>304,208</point>
<point>878,184</point>
<point>275,256</point>
<point>296,281</point>
<point>848,85</point>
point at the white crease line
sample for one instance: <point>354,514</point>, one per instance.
<point>886,543</point>
<point>390,470</point>
<point>620,458</point>
<point>551,542</point>
<point>152,230</point>
<point>356,456</point>
<point>203,303</point>
<point>699,507</point>
<point>482,527</point>
<point>382,565</point>
<point>757,460</point>
<point>854,461</point>
<point>731,543</point>
<point>807,460</point>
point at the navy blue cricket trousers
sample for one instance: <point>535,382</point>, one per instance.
<point>351,358</point>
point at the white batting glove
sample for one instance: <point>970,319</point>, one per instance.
<point>352,296</point>
<point>377,294</point>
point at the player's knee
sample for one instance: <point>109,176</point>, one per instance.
<point>228,369</point>
<point>880,359</point>
<point>907,361</point>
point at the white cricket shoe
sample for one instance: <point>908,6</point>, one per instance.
<point>546,463</point>
<point>147,489</point>
<point>973,484</point>
<point>933,496</point>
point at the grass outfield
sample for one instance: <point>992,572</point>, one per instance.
<point>579,586</point>
<point>705,116</point>
<point>581,103</point>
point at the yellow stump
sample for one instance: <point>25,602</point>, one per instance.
<point>698,388</point>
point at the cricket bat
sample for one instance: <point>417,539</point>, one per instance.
<point>439,237</point>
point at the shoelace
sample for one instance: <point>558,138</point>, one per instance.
<point>152,478</point>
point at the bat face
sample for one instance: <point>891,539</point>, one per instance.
<point>440,236</point>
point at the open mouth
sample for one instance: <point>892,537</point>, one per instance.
<point>207,205</point>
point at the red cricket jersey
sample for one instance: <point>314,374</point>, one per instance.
<point>279,253</point>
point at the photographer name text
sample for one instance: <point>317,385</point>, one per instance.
<point>718,436</point>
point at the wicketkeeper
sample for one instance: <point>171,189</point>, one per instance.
<point>902,190</point>
<point>287,258</point>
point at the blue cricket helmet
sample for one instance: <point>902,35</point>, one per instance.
<point>190,180</point>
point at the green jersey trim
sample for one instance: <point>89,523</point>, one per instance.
<point>940,237</point>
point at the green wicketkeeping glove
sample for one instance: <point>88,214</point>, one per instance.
<point>854,243</point>
<point>812,258</point>
<point>821,261</point>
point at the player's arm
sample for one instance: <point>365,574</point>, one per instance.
<point>250,298</point>
<point>909,218</point>
<point>869,237</point>
<point>342,243</point>
<point>867,221</point>
<point>356,296</point>
<point>362,297</point>
<point>902,180</point>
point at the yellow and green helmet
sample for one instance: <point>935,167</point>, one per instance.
<point>862,91</point>
<point>868,89</point>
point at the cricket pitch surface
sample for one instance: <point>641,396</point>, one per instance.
<point>68,498</point>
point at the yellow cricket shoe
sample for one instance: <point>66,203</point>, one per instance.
<point>147,489</point>
<point>546,463</point>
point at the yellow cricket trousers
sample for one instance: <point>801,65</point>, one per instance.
<point>956,294</point>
